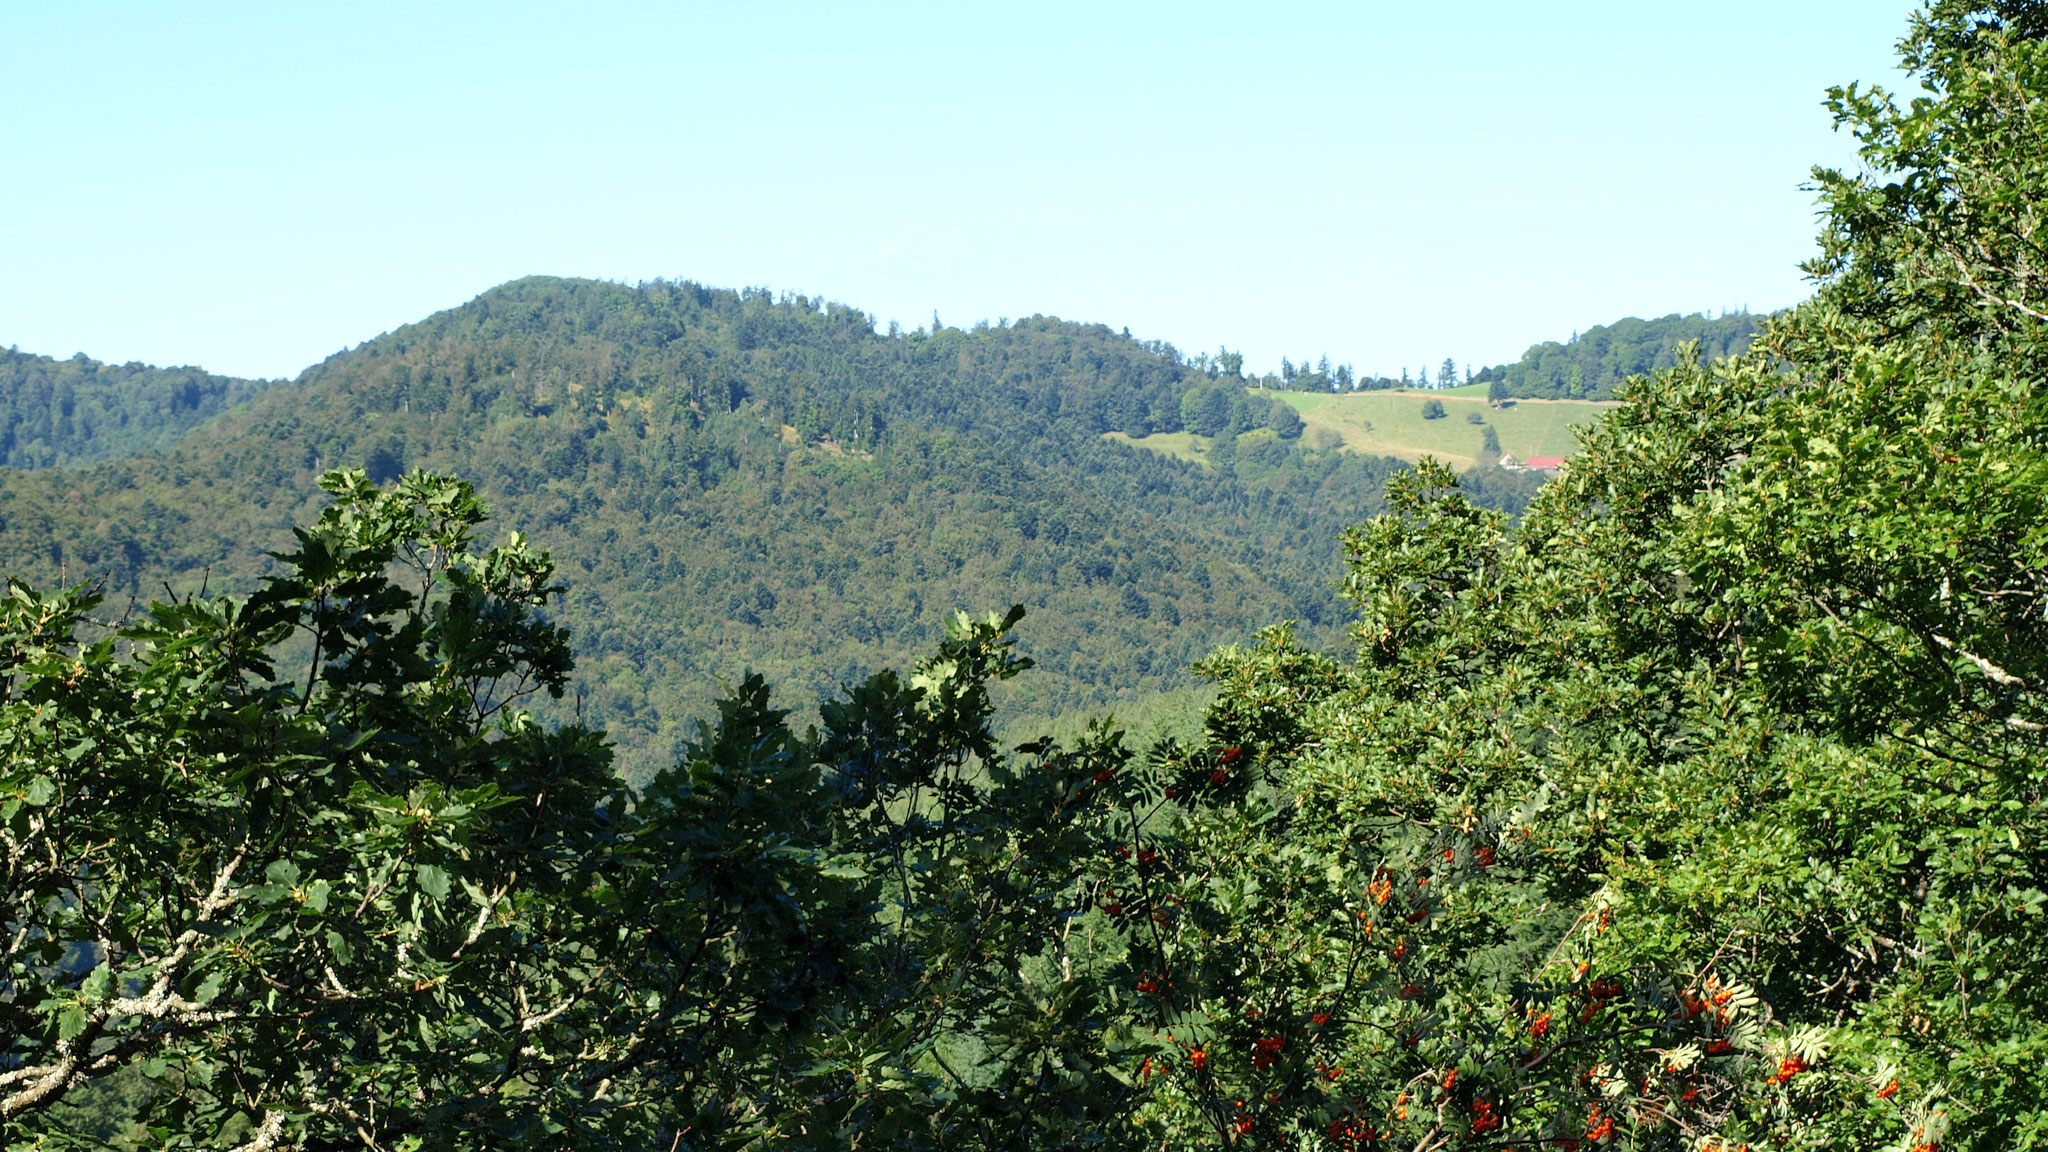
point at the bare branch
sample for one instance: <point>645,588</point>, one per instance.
<point>1968,281</point>
<point>1992,672</point>
<point>266,1135</point>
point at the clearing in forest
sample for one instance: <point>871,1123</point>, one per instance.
<point>1392,423</point>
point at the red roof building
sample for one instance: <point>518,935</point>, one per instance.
<point>1544,463</point>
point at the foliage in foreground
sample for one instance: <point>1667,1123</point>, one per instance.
<point>1702,809</point>
<point>363,900</point>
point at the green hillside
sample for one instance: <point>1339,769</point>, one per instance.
<point>55,412</point>
<point>736,480</point>
<point>1393,424</point>
<point>1697,802</point>
<point>1592,363</point>
<point>1588,366</point>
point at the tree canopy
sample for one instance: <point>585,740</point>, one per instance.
<point>746,480</point>
<point>1593,363</point>
<point>1699,808</point>
<point>57,412</point>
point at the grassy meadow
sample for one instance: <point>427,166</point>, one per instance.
<point>1391,423</point>
<point>1179,445</point>
<point>1184,445</point>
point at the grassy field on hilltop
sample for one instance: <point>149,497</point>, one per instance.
<point>1392,424</point>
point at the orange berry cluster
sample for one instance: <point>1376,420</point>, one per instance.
<point>1381,887</point>
<point>1713,997</point>
<point>1350,1130</point>
<point>1243,1121</point>
<point>1484,1118</point>
<point>1789,1067</point>
<point>1598,994</point>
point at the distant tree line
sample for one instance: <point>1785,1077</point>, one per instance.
<point>56,412</point>
<point>748,478</point>
<point>1701,808</point>
<point>1593,363</point>
<point>1588,366</point>
<point>1323,376</point>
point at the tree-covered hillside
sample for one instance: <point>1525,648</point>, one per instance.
<point>1589,366</point>
<point>738,480</point>
<point>56,412</point>
<point>1593,363</point>
<point>1702,808</point>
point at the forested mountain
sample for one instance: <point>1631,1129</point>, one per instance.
<point>1592,363</point>
<point>735,480</point>
<point>1589,366</point>
<point>1702,808</point>
<point>55,412</point>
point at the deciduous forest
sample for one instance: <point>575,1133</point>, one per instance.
<point>1595,363</point>
<point>1689,800</point>
<point>741,480</point>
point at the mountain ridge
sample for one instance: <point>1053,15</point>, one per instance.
<point>55,412</point>
<point>639,434</point>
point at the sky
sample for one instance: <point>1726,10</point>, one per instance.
<point>252,187</point>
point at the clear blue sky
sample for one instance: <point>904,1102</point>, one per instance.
<point>254,186</point>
